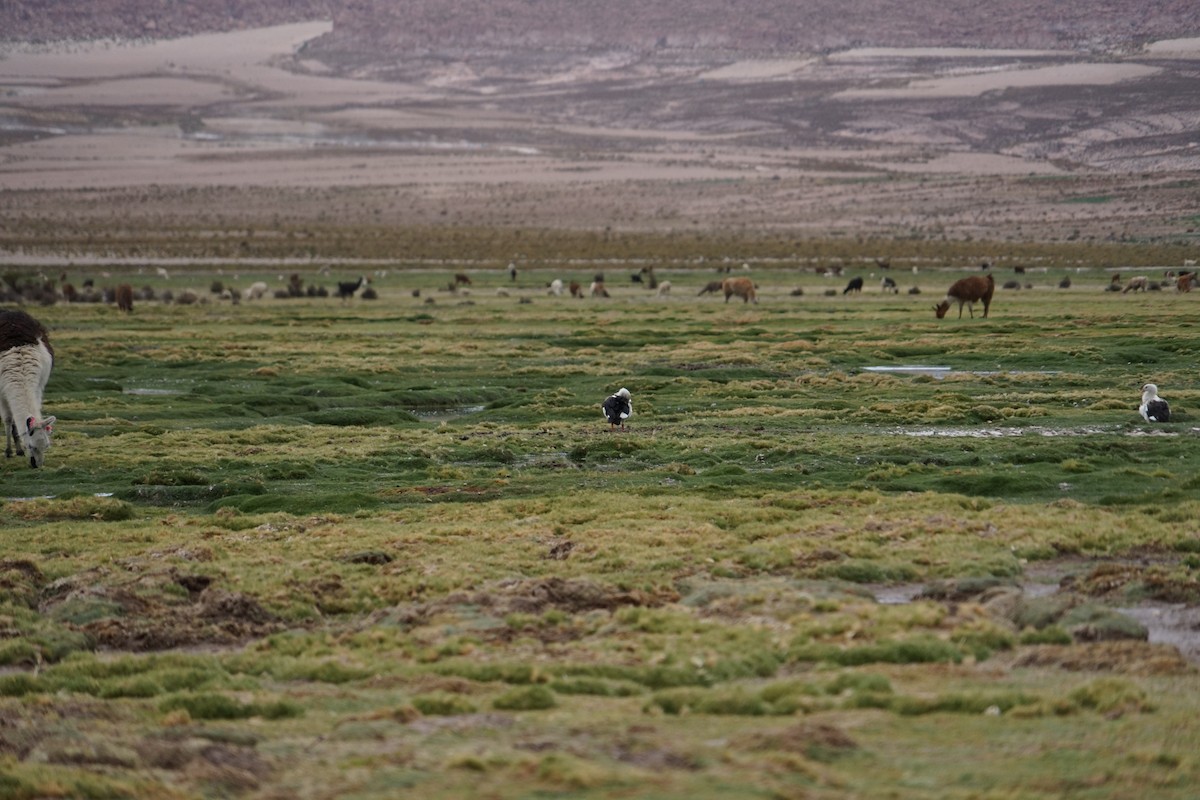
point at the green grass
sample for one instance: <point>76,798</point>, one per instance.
<point>311,548</point>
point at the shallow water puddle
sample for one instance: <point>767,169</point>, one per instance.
<point>453,412</point>
<point>1175,624</point>
<point>993,433</point>
<point>941,372</point>
<point>996,433</point>
<point>937,372</point>
<point>1170,623</point>
<point>48,497</point>
<point>151,392</point>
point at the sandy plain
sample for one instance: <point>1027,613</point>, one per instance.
<point>942,142</point>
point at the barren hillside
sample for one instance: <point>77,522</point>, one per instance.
<point>370,28</point>
<point>763,26</point>
<point>52,20</point>
<point>1019,119</point>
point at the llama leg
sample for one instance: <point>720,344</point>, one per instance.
<point>12,439</point>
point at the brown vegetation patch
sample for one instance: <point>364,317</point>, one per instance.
<point>532,596</point>
<point>232,609</point>
<point>815,557</point>
<point>20,581</point>
<point>639,746</point>
<point>234,768</point>
<point>28,731</point>
<point>538,595</point>
<point>461,723</point>
<point>145,617</point>
<point>17,739</point>
<point>806,738</point>
<point>654,757</point>
<point>1117,580</point>
<point>1127,657</point>
<point>86,754</point>
<point>195,584</point>
<point>560,550</point>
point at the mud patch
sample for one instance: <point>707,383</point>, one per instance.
<point>1124,657</point>
<point>1112,602</point>
<point>151,614</point>
<point>1117,580</point>
<point>233,767</point>
<point>818,741</point>
<point>573,596</point>
<point>533,596</point>
<point>654,757</point>
<point>461,723</point>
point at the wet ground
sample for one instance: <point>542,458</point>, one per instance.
<point>1174,625</point>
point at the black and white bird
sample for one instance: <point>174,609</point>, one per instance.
<point>1154,408</point>
<point>618,408</point>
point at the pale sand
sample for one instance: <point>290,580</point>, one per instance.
<point>757,70</point>
<point>870,53</point>
<point>219,53</point>
<point>1175,48</point>
<point>974,164</point>
<point>242,58</point>
<point>175,92</point>
<point>973,85</point>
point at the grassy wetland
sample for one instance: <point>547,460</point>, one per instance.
<point>375,548</point>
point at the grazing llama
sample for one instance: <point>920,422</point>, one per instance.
<point>25,362</point>
<point>968,291</point>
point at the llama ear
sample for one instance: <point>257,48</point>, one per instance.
<point>48,423</point>
<point>29,424</point>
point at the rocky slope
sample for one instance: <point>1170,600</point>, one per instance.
<point>54,20</point>
<point>764,25</point>
<point>369,28</point>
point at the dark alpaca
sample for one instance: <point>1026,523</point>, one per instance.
<point>347,288</point>
<point>125,297</point>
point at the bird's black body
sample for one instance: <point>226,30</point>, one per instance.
<point>1158,411</point>
<point>1154,408</point>
<point>617,409</point>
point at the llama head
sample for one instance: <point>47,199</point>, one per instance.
<point>39,439</point>
<point>941,308</point>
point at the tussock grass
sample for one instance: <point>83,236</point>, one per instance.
<point>397,540</point>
